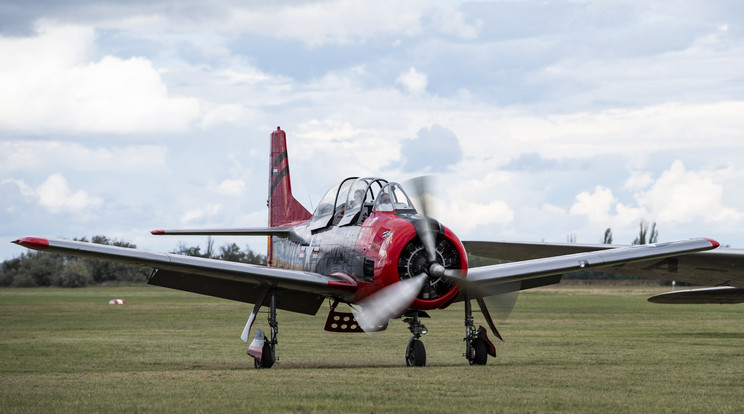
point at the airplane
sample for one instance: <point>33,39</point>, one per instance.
<point>367,246</point>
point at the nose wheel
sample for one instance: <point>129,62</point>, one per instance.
<point>415,351</point>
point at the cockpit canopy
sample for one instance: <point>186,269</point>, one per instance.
<point>351,201</point>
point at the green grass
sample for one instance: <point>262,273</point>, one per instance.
<point>567,349</point>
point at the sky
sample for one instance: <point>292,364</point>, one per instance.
<point>540,121</point>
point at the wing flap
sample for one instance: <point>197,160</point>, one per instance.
<point>539,268</point>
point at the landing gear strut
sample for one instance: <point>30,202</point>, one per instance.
<point>415,351</point>
<point>269,346</point>
<point>477,345</point>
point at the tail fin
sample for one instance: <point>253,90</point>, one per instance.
<point>283,208</point>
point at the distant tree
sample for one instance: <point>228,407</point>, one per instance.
<point>185,250</point>
<point>571,238</point>
<point>255,258</point>
<point>31,269</point>
<point>210,248</point>
<point>607,236</point>
<point>230,252</point>
<point>643,233</point>
<point>76,273</point>
<point>49,269</point>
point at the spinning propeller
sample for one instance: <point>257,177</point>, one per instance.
<point>391,301</point>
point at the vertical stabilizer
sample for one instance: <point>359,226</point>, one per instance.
<point>283,208</point>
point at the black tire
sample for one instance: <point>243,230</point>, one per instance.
<point>267,357</point>
<point>481,353</point>
<point>415,354</point>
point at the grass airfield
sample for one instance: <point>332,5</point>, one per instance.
<point>567,349</point>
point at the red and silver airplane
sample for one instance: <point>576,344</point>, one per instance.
<point>367,246</point>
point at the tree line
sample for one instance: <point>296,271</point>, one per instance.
<point>32,268</point>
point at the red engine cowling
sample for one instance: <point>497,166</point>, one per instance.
<point>401,255</point>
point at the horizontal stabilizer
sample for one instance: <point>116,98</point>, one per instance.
<point>248,231</point>
<point>724,294</point>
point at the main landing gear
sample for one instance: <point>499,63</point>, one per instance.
<point>268,354</point>
<point>477,345</point>
<point>415,351</point>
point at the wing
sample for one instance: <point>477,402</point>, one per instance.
<point>721,267</point>
<point>297,291</point>
<point>517,274</point>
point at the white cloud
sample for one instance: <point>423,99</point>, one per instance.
<point>414,81</point>
<point>464,216</point>
<point>450,20</point>
<point>207,211</point>
<point>681,196</point>
<point>56,87</point>
<point>232,188</point>
<point>679,200</point>
<point>25,190</point>
<point>55,195</point>
<point>621,131</point>
<point>226,114</point>
<point>331,22</point>
<point>638,181</point>
<point>346,22</point>
<point>365,150</point>
<point>28,156</point>
<point>602,210</point>
<point>595,206</point>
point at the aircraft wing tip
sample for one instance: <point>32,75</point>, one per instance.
<point>157,232</point>
<point>36,243</point>
<point>714,243</point>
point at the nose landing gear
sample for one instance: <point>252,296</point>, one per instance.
<point>415,351</point>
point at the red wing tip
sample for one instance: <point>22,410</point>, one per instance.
<point>156,232</point>
<point>714,243</point>
<point>37,243</point>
